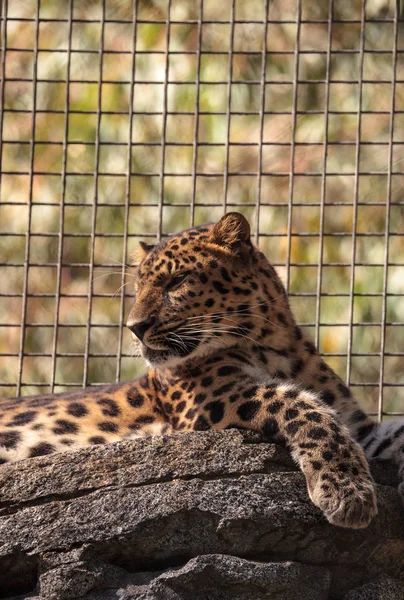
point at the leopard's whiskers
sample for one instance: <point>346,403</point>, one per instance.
<point>227,318</point>
<point>223,329</point>
<point>121,287</point>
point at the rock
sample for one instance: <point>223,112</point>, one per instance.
<point>69,581</point>
<point>105,520</point>
<point>220,577</point>
<point>384,588</point>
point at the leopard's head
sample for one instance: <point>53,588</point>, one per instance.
<point>201,290</point>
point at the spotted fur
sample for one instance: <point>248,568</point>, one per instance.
<point>223,348</point>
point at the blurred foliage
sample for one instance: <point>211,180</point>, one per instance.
<point>335,190</point>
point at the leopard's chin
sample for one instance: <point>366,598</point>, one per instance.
<point>170,356</point>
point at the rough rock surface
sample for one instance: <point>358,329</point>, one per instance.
<point>215,515</point>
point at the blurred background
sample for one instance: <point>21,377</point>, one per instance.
<point>126,121</point>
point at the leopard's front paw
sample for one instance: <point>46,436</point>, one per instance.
<point>347,503</point>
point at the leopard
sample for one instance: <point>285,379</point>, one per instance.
<point>223,349</point>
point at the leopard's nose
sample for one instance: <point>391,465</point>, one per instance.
<point>140,328</point>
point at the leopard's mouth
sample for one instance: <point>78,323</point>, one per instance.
<point>154,357</point>
<point>169,346</point>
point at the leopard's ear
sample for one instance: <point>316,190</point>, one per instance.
<point>143,250</point>
<point>232,231</point>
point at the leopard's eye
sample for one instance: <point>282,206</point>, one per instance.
<point>176,281</point>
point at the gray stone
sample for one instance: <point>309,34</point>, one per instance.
<point>75,579</point>
<point>384,588</point>
<point>219,577</point>
<point>88,523</point>
<point>143,461</point>
<point>69,581</point>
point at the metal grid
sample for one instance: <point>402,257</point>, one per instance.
<point>321,258</point>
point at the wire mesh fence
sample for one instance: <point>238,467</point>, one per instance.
<point>125,121</point>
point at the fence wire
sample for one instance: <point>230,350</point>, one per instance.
<point>128,121</point>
